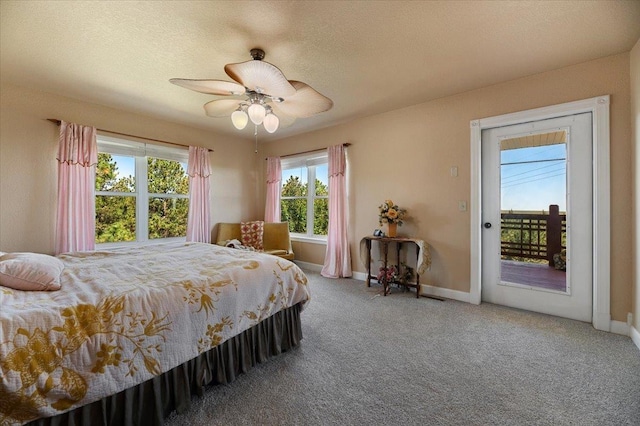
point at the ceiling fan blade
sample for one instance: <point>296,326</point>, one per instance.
<point>211,87</point>
<point>285,120</point>
<point>261,77</point>
<point>306,102</point>
<point>222,107</point>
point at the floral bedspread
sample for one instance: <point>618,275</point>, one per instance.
<point>126,315</point>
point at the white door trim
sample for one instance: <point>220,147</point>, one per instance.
<point>599,107</point>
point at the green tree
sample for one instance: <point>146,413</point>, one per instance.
<point>106,171</point>
<point>116,215</point>
<point>167,216</point>
<point>294,210</point>
<point>321,210</point>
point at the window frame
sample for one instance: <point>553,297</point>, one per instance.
<point>140,152</point>
<point>310,162</point>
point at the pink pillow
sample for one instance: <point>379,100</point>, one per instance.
<point>30,271</point>
<point>252,234</point>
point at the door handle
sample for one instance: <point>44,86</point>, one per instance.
<point>487,225</point>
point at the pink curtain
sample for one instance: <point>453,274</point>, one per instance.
<point>274,177</point>
<point>76,211</point>
<point>337,260</point>
<point>198,227</point>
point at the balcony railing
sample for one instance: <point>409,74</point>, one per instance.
<point>537,236</point>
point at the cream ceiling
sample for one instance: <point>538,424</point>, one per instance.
<point>369,57</point>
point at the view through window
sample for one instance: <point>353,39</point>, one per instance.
<point>305,195</point>
<point>533,210</point>
<point>140,197</point>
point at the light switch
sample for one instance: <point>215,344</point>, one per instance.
<point>454,171</point>
<point>462,206</point>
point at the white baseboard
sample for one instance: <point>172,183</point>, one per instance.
<point>361,276</point>
<point>635,336</point>
<point>619,327</point>
<point>431,290</point>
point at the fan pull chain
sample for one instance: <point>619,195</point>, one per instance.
<point>255,133</point>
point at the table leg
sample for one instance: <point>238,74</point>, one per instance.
<point>368,243</point>
<point>417,274</point>
<point>398,244</point>
<point>385,284</point>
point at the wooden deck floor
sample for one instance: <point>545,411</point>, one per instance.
<point>534,275</point>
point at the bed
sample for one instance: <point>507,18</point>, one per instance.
<point>134,332</point>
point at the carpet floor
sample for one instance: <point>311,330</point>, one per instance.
<point>371,360</point>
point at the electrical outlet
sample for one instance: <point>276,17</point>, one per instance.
<point>462,206</point>
<point>454,171</point>
<point>629,319</point>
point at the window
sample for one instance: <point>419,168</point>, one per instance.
<point>142,192</point>
<point>305,195</point>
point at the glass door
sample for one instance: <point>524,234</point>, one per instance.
<point>533,205</point>
<point>537,216</point>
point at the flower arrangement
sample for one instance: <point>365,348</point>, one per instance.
<point>392,274</point>
<point>390,213</point>
<point>387,274</point>
<point>406,274</point>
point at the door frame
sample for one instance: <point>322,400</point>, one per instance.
<point>599,108</point>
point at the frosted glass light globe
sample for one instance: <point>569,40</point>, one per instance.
<point>271,123</point>
<point>256,113</point>
<point>239,119</point>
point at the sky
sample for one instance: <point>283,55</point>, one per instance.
<point>127,165</point>
<point>322,174</point>
<point>533,183</point>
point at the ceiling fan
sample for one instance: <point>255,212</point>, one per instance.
<point>262,94</point>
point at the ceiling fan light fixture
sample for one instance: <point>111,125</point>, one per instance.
<point>257,113</point>
<point>268,98</point>
<point>239,119</point>
<point>271,123</point>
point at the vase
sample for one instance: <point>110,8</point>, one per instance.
<point>392,229</point>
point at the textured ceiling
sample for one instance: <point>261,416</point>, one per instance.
<point>369,57</point>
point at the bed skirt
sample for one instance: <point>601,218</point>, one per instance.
<point>151,402</point>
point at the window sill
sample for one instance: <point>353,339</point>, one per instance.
<point>307,239</point>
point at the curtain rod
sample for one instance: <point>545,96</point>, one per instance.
<point>57,123</point>
<point>311,150</point>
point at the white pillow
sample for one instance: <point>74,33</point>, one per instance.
<point>30,271</point>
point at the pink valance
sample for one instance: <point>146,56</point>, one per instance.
<point>274,170</point>
<point>198,162</point>
<point>77,145</point>
<point>337,161</point>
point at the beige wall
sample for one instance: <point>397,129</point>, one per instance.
<point>635,126</point>
<point>28,145</point>
<point>309,252</point>
<point>406,155</point>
